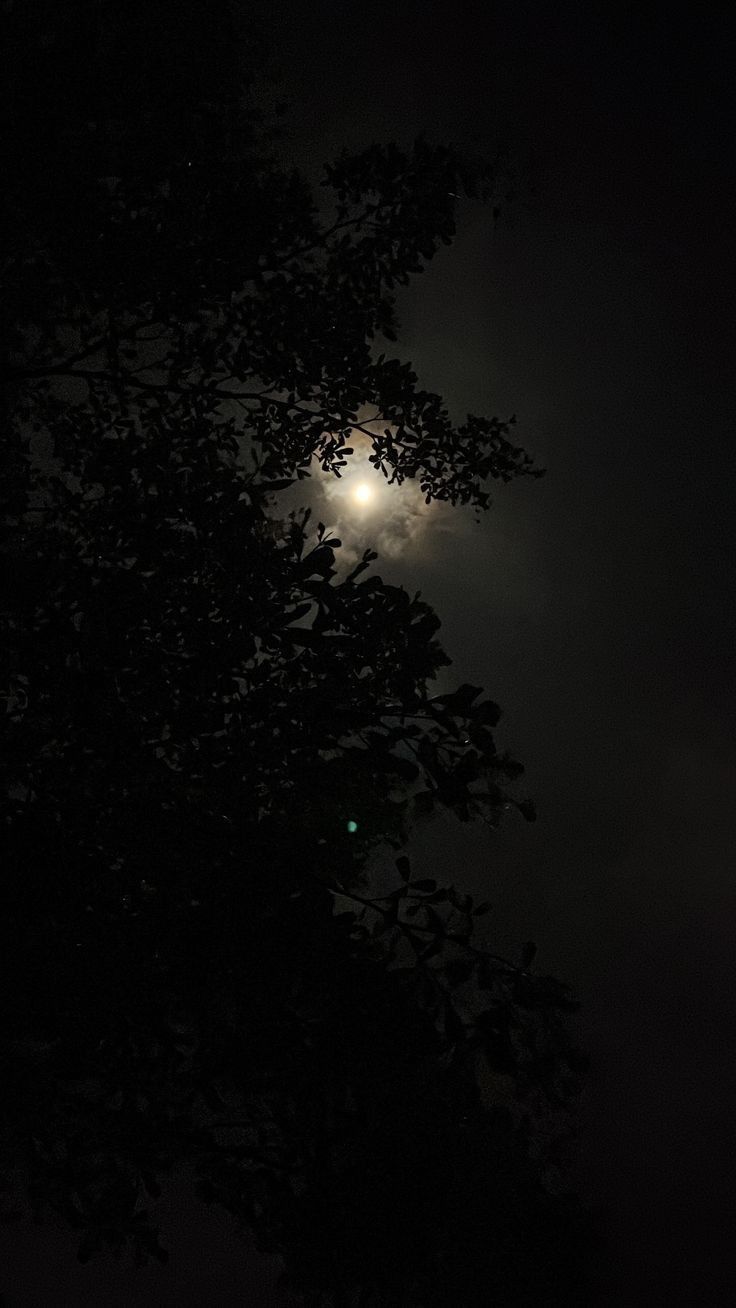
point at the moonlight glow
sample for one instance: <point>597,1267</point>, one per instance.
<point>361,506</point>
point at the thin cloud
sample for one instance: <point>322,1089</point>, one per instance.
<point>364,511</point>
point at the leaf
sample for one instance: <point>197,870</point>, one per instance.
<point>294,615</point>
<point>403,867</point>
<point>528,952</point>
<point>458,970</point>
<point>487,714</point>
<point>272,486</point>
<point>460,700</point>
<point>440,896</point>
<point>429,951</point>
<point>357,570</point>
<point>454,1028</point>
<point>404,768</point>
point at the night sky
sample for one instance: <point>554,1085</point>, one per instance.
<point>597,604</point>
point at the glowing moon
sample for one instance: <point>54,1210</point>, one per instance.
<point>363,493</point>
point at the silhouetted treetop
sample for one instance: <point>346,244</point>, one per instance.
<point>218,290</point>
<point>210,726</point>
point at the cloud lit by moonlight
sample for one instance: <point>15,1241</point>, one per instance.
<point>364,510</point>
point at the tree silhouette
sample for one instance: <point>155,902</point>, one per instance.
<point>209,729</point>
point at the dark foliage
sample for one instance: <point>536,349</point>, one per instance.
<point>209,729</point>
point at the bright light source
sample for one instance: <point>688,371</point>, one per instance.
<point>363,493</point>
<point>352,827</point>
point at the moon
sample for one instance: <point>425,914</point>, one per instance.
<point>366,507</point>
<point>363,493</point>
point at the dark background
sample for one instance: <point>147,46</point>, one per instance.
<point>596,605</point>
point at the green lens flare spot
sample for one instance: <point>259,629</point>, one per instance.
<point>352,827</point>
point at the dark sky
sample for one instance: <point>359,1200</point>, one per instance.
<point>596,605</point>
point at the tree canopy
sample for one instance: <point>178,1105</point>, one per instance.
<point>210,727</point>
